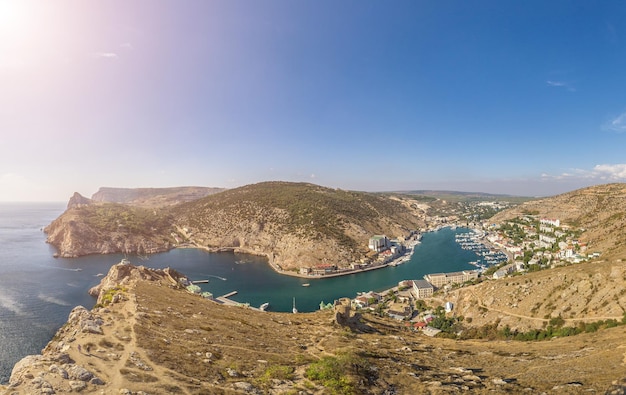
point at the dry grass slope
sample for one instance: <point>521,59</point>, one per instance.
<point>600,210</point>
<point>162,340</point>
<point>294,221</point>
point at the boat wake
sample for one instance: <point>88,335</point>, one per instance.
<point>52,299</point>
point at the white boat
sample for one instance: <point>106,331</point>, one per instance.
<point>306,284</point>
<point>294,306</point>
<point>264,306</point>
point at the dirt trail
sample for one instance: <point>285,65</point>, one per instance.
<point>117,359</point>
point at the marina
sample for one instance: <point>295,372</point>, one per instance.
<point>486,257</point>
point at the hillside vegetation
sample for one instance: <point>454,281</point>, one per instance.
<point>571,296</point>
<point>295,224</point>
<point>149,335</point>
<point>105,228</point>
<point>599,210</point>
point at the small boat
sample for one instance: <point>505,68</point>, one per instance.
<point>264,306</point>
<point>306,284</point>
<point>294,306</point>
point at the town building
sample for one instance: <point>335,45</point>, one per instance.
<point>379,243</point>
<point>549,221</point>
<point>422,289</point>
<point>438,280</point>
<point>321,270</point>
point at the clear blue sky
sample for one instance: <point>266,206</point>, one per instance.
<point>517,97</point>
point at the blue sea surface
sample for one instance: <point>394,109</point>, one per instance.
<point>37,291</point>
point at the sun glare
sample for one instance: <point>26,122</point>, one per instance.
<point>12,17</point>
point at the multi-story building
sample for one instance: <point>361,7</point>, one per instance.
<point>438,280</point>
<point>422,289</point>
<point>379,243</point>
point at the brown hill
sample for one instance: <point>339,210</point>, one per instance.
<point>152,336</point>
<point>292,224</point>
<point>599,210</point>
<point>579,294</point>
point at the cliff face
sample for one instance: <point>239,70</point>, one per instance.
<point>78,200</point>
<point>108,229</point>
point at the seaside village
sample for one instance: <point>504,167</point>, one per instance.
<point>513,248</point>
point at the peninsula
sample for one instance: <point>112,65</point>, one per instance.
<point>294,225</point>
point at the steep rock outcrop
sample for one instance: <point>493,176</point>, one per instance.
<point>123,274</point>
<point>78,200</point>
<point>108,229</point>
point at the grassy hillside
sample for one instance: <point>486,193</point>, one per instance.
<point>152,336</point>
<point>599,210</point>
<point>294,224</point>
<point>105,228</point>
<point>270,217</point>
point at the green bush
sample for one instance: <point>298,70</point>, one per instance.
<point>338,373</point>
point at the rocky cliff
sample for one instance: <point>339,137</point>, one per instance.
<point>78,200</point>
<point>110,228</point>
<point>148,335</point>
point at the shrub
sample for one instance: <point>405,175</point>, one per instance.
<point>338,373</point>
<point>278,372</point>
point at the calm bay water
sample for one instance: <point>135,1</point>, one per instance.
<point>37,291</point>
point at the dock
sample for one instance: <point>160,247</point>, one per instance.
<point>224,299</point>
<point>200,282</point>
<point>228,295</point>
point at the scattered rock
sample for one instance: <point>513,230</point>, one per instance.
<point>244,386</point>
<point>499,381</point>
<point>77,386</point>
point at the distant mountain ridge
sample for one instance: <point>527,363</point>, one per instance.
<point>152,196</point>
<point>460,196</point>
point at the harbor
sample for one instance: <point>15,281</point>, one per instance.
<point>257,283</point>
<point>474,241</point>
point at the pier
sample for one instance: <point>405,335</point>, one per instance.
<point>228,295</point>
<point>224,299</point>
<point>200,282</point>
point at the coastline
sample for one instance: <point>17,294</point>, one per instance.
<point>346,272</point>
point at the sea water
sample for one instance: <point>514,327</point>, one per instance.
<point>37,291</point>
